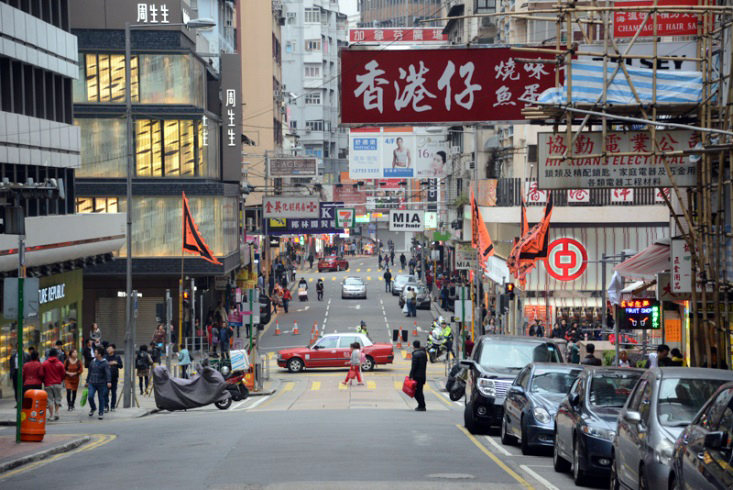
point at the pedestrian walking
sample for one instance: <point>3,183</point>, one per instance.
<point>536,329</point>
<point>215,339</point>
<point>391,256</point>
<point>53,377</point>
<point>379,260</point>
<point>387,281</point>
<point>60,354</point>
<point>354,365</point>
<point>319,289</point>
<point>184,360</point>
<point>403,261</point>
<point>74,369</point>
<point>95,334</point>
<point>32,373</point>
<point>225,333</point>
<point>287,296</point>
<point>411,299</point>
<point>590,358</point>
<point>99,379</point>
<point>573,353</point>
<point>159,335</point>
<point>143,361</point>
<point>87,352</point>
<point>310,260</point>
<point>115,364</point>
<point>418,373</point>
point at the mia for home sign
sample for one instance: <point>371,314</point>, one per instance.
<point>406,220</point>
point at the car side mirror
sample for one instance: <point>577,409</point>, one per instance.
<point>574,399</point>
<point>714,440</point>
<point>632,417</point>
<point>316,347</point>
<point>469,363</point>
<point>516,389</point>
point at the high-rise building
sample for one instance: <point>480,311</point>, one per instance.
<point>399,13</point>
<point>186,139</point>
<point>313,32</point>
<point>39,157</point>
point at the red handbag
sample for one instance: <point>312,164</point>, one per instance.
<point>409,386</point>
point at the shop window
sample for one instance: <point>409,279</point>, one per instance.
<point>103,147</point>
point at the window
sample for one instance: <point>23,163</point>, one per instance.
<point>646,403</point>
<point>523,378</point>
<point>328,343</point>
<point>312,15</point>
<point>313,71</point>
<point>314,151</point>
<point>314,125</point>
<point>680,399</point>
<point>485,6</point>
<point>100,205</point>
<point>103,147</point>
<point>547,381</point>
<point>608,390</point>
<point>290,46</point>
<point>291,17</point>
<point>104,79</point>
<point>346,341</point>
<point>293,124</point>
<point>313,45</point>
<point>313,99</point>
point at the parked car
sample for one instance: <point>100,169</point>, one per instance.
<point>703,454</point>
<point>494,363</point>
<point>353,287</point>
<point>333,263</point>
<point>333,351</point>
<point>663,403</point>
<point>423,295</point>
<point>585,423</point>
<point>532,401</point>
<point>399,282</point>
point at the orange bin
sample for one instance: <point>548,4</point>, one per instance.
<point>249,379</point>
<point>33,416</point>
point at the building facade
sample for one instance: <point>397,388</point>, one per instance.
<point>184,113</point>
<point>314,31</point>
<point>399,13</point>
<point>40,149</point>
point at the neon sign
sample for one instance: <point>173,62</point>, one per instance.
<point>639,314</point>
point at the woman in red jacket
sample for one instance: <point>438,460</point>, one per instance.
<point>32,374</point>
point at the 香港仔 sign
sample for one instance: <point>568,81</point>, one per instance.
<point>621,171</point>
<point>430,86</point>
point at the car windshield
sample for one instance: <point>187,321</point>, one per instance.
<point>612,389</point>
<point>353,281</point>
<point>547,381</point>
<point>681,398</point>
<point>404,279</point>
<point>516,355</point>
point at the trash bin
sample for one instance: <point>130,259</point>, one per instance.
<point>33,416</point>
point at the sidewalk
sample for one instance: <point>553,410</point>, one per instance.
<point>13,455</point>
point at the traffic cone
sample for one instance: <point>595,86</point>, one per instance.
<point>399,339</point>
<point>295,328</point>
<point>277,327</point>
<point>414,330</point>
<point>409,355</point>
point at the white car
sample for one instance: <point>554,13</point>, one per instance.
<point>353,287</point>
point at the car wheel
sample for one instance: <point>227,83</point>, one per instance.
<point>674,482</point>
<point>526,449</point>
<point>469,421</point>
<point>368,364</point>
<point>506,439</point>
<point>643,479</point>
<point>320,271</point>
<point>578,474</point>
<point>558,462</point>
<point>295,365</point>
<point>614,483</point>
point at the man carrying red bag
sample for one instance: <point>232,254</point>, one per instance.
<point>418,373</point>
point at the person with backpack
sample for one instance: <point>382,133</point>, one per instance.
<point>143,361</point>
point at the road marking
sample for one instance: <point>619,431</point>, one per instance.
<point>333,278</point>
<point>369,270</point>
<point>446,403</point>
<point>498,446</point>
<point>234,407</point>
<point>369,278</point>
<point>496,459</point>
<point>289,386</point>
<point>316,386</point>
<point>537,477</point>
<point>271,354</point>
<point>310,279</point>
<point>398,385</point>
<point>342,386</point>
<point>371,385</point>
<point>257,402</point>
<point>379,278</point>
<point>358,270</point>
<point>404,354</point>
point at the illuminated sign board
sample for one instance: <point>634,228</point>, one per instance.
<point>639,314</point>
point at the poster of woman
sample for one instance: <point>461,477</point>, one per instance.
<point>432,157</point>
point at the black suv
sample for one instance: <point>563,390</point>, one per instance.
<point>496,361</point>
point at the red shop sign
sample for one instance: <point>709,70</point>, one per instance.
<point>431,86</point>
<point>626,23</point>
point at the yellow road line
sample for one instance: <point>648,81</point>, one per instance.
<point>496,459</point>
<point>369,270</point>
<point>310,279</point>
<point>342,386</point>
<point>96,441</point>
<point>443,400</point>
<point>270,355</point>
<point>379,278</point>
<point>358,270</point>
<point>289,386</point>
<point>371,385</point>
<point>369,278</point>
<point>316,386</point>
<point>398,385</point>
<point>333,278</point>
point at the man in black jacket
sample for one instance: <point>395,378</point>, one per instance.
<point>115,364</point>
<point>590,359</point>
<point>418,372</point>
<point>387,281</point>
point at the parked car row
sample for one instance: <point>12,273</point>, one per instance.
<point>662,428</point>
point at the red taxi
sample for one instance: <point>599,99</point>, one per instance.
<point>332,263</point>
<point>333,351</point>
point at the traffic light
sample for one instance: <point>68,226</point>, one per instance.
<point>185,295</point>
<point>509,290</point>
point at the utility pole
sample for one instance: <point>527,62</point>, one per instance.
<point>129,385</point>
<point>19,355</point>
<point>168,327</point>
<point>478,272</point>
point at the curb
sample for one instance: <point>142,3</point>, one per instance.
<point>276,387</point>
<point>41,455</point>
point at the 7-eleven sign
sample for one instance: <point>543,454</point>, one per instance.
<point>345,218</point>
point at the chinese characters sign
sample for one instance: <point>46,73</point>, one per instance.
<point>150,13</point>
<point>231,116</point>
<point>398,35</point>
<point>290,207</point>
<point>626,23</point>
<point>639,314</point>
<point>681,274</point>
<point>429,86</point>
<point>622,172</point>
<point>325,223</point>
<point>293,167</point>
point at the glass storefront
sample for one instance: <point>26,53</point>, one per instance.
<point>59,318</point>
<point>157,227</point>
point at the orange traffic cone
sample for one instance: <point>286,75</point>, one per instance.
<point>414,330</point>
<point>409,355</point>
<point>399,338</point>
<point>277,327</point>
<point>295,328</point>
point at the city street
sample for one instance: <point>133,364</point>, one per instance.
<point>312,432</point>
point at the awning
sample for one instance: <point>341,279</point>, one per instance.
<point>647,263</point>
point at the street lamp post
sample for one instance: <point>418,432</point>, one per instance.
<point>129,326</point>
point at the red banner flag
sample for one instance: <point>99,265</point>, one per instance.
<point>479,234</point>
<point>192,241</point>
<point>531,247</point>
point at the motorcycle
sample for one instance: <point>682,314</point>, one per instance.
<point>235,387</point>
<point>436,345</point>
<point>181,394</point>
<point>456,384</point>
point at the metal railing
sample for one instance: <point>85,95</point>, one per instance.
<point>509,193</point>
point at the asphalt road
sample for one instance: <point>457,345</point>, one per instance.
<point>312,433</point>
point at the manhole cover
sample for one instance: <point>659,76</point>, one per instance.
<point>452,476</point>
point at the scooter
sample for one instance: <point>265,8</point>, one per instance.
<point>303,294</point>
<point>235,387</point>
<point>436,345</point>
<point>181,394</point>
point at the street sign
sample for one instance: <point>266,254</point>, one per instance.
<point>290,207</point>
<point>465,257</point>
<point>406,220</point>
<point>345,218</point>
<point>627,22</point>
<point>31,287</point>
<point>458,310</point>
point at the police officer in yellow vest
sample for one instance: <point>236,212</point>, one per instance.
<point>448,336</point>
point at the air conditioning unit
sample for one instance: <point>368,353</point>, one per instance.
<point>307,130</point>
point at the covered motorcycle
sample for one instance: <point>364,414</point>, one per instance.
<point>180,394</point>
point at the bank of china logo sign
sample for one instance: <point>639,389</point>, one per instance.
<point>566,259</point>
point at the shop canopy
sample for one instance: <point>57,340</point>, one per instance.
<point>647,263</point>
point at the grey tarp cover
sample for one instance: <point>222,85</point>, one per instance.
<point>180,394</point>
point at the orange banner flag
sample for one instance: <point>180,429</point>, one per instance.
<point>479,234</point>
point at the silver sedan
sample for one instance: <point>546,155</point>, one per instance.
<point>353,287</point>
